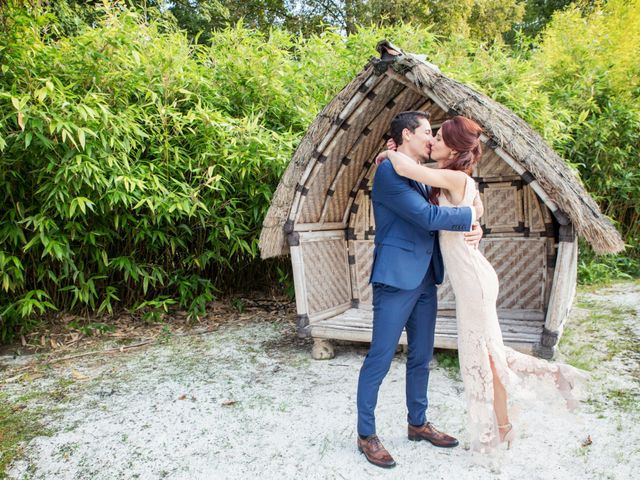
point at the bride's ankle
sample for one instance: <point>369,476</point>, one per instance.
<point>504,429</point>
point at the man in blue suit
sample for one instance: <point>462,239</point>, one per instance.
<point>407,265</point>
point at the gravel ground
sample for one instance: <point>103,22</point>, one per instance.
<point>248,401</point>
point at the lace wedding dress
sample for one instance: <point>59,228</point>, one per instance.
<point>475,284</point>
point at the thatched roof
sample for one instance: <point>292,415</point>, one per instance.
<point>507,134</point>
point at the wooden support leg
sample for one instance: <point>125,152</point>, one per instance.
<point>322,349</point>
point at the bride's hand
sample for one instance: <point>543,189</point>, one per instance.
<point>381,156</point>
<point>391,145</point>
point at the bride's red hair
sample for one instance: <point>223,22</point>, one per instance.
<point>462,135</point>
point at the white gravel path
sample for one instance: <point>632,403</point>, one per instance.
<point>245,402</point>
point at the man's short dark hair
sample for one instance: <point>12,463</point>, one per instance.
<point>410,120</point>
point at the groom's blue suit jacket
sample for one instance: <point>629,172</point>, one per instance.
<point>406,238</point>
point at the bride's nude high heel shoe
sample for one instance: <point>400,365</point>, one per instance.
<point>509,436</point>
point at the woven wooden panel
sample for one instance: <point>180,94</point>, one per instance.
<point>349,136</point>
<point>446,298</point>
<point>537,215</point>
<point>437,114</point>
<point>423,104</point>
<point>492,166</point>
<point>328,159</point>
<point>503,207</point>
<point>362,223</point>
<point>359,221</point>
<point>365,149</point>
<point>326,273</point>
<point>521,265</point>
<point>347,177</point>
<point>361,270</point>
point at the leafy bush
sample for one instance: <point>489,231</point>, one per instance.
<point>124,181</point>
<point>590,70</point>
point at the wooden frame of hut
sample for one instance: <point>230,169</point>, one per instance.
<point>535,207</point>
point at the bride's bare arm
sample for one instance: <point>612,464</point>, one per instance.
<point>451,180</point>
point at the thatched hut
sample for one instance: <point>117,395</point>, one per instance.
<point>535,207</point>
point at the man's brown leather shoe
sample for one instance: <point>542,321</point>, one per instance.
<point>375,453</point>
<point>429,433</point>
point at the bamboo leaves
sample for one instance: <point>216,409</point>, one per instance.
<point>81,203</point>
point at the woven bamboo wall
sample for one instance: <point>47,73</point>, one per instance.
<point>326,195</point>
<point>492,166</point>
<point>361,271</point>
<point>361,232</point>
<point>503,204</point>
<point>356,140</point>
<point>361,152</point>
<point>521,265</point>
<point>326,273</point>
<point>519,240</point>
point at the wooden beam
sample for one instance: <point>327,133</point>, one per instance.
<point>313,227</point>
<point>563,287</point>
<point>297,263</point>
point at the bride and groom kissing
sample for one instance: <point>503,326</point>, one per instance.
<point>426,222</point>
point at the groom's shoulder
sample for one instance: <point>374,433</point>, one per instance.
<point>384,166</point>
<point>386,170</point>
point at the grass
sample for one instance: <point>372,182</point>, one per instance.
<point>625,399</point>
<point>18,425</point>
<point>21,419</point>
<point>599,338</point>
<point>597,335</point>
<point>448,360</point>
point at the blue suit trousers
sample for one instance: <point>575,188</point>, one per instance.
<point>393,310</point>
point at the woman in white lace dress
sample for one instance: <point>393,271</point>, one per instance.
<point>489,369</point>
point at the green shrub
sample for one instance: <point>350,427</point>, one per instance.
<point>124,180</point>
<point>590,69</point>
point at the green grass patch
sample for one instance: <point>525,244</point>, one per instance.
<point>448,360</point>
<point>18,425</point>
<point>625,399</point>
<point>598,334</point>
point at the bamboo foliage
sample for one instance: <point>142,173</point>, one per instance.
<point>124,183</point>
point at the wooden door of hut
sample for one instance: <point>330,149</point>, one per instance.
<point>534,204</point>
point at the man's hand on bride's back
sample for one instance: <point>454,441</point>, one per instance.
<point>473,237</point>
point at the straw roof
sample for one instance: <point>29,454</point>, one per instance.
<point>523,149</point>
